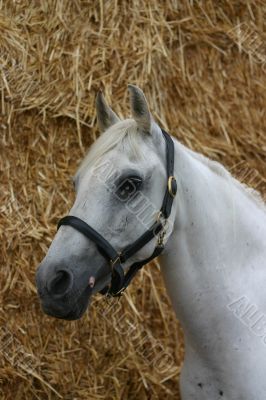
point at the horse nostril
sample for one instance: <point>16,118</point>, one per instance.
<point>60,283</point>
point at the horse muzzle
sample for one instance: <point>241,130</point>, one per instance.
<point>61,296</point>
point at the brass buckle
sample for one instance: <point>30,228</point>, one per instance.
<point>169,185</point>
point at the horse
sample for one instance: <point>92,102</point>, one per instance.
<point>140,193</point>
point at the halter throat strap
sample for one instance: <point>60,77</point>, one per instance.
<point>120,280</point>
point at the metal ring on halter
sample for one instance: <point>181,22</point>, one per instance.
<point>159,215</point>
<point>117,259</point>
<point>161,218</point>
<point>172,185</point>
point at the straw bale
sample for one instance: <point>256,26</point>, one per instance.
<point>202,67</point>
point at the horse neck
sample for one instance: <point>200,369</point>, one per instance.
<point>217,225</point>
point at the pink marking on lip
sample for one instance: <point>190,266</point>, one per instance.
<point>92,281</point>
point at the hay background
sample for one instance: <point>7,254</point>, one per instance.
<point>202,85</point>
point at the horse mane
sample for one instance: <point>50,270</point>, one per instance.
<point>220,170</point>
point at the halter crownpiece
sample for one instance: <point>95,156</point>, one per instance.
<point>120,280</point>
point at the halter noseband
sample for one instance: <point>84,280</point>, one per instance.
<point>119,280</point>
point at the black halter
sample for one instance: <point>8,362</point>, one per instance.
<point>119,280</point>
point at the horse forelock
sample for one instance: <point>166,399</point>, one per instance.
<point>123,134</point>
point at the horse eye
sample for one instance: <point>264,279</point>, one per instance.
<point>128,187</point>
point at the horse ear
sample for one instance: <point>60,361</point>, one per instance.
<point>139,108</point>
<point>105,115</point>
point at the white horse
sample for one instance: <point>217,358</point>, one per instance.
<point>214,262</point>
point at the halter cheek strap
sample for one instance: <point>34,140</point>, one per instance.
<point>120,280</point>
